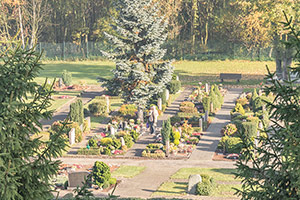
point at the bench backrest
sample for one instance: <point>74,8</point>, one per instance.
<point>230,76</point>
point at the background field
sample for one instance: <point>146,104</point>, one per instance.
<point>190,72</point>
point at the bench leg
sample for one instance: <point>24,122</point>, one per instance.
<point>221,80</point>
<point>238,80</point>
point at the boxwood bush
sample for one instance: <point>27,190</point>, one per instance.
<point>205,188</point>
<point>174,86</point>
<point>98,108</point>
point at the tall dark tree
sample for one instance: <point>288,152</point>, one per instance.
<point>140,72</point>
<point>26,165</point>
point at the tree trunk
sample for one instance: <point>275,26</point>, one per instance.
<point>21,26</point>
<point>279,68</point>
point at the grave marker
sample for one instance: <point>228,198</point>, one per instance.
<point>193,181</point>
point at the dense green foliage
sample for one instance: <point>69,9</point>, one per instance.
<point>274,171</point>
<point>26,165</point>
<point>206,103</point>
<point>166,131</point>
<point>76,112</point>
<point>174,86</point>
<point>205,188</point>
<point>140,71</point>
<point>101,174</point>
<point>98,108</point>
<point>67,77</point>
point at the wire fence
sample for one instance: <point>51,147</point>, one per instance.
<point>175,50</point>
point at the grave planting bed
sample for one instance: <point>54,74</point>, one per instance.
<point>248,120</point>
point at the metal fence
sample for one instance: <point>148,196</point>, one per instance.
<point>175,50</point>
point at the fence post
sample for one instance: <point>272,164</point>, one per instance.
<point>63,50</point>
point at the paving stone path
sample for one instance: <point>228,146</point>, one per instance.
<point>159,171</point>
<point>209,142</point>
<point>140,145</point>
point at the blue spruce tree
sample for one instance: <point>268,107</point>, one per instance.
<point>140,71</point>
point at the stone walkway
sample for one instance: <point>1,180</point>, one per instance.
<point>141,144</point>
<point>209,142</point>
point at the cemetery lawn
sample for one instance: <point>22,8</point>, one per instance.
<point>126,171</point>
<point>190,72</point>
<point>224,182</point>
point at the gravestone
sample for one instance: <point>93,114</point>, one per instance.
<point>211,107</point>
<point>206,116</point>
<point>167,94</point>
<point>112,130</point>
<point>125,125</point>
<point>177,78</point>
<point>159,104</point>
<point>107,104</point>
<point>60,82</point>
<point>81,127</point>
<point>193,181</point>
<point>122,141</point>
<point>201,124</point>
<point>259,92</point>
<point>88,119</point>
<point>206,88</point>
<point>76,178</point>
<point>140,114</point>
<point>72,136</point>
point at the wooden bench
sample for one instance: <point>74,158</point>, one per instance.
<point>230,76</point>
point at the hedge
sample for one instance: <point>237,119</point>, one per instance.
<point>174,86</point>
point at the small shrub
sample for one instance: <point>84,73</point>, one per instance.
<point>107,151</point>
<point>85,127</point>
<point>242,101</point>
<point>67,77</point>
<point>128,109</point>
<point>135,135</point>
<point>248,129</point>
<point>230,129</point>
<point>233,145</point>
<point>219,95</point>
<point>259,102</point>
<point>101,173</point>
<point>187,104</point>
<point>174,86</point>
<point>98,108</point>
<point>204,188</point>
<point>78,132</point>
<point>106,141</point>
<point>93,142</point>
<point>214,99</point>
<point>239,109</point>
<point>116,143</point>
<point>206,103</point>
<point>128,141</point>
<point>175,119</point>
<point>166,131</point>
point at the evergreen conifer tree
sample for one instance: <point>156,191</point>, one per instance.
<point>140,72</point>
<point>271,169</point>
<point>27,165</point>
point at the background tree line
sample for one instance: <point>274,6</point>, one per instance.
<point>196,27</point>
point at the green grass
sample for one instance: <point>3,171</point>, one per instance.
<point>127,171</point>
<point>95,121</point>
<point>219,174</point>
<point>224,182</point>
<point>58,103</point>
<point>171,189</point>
<point>190,72</point>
